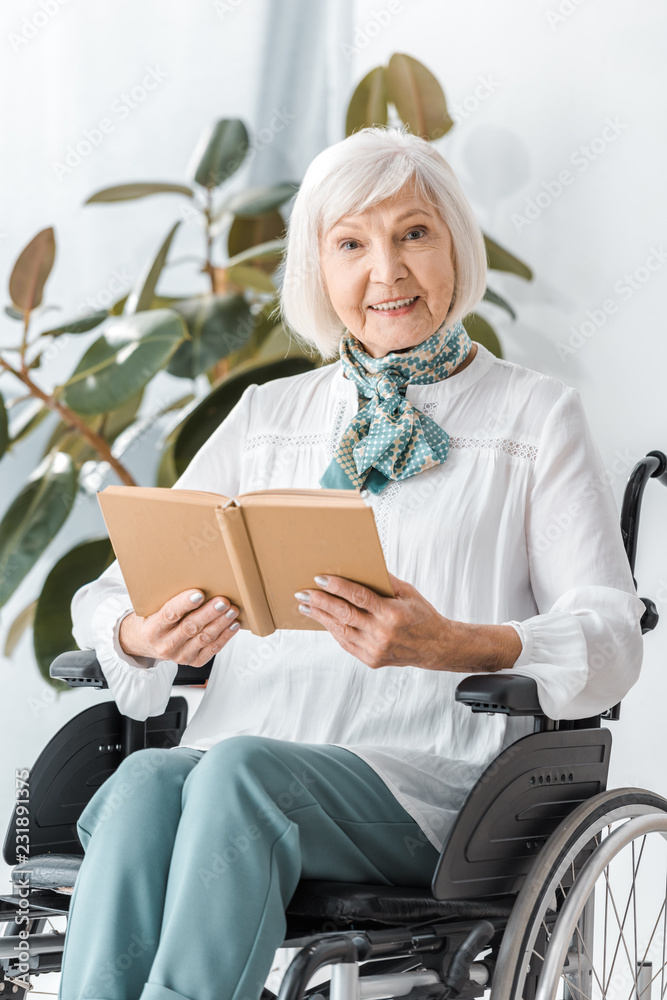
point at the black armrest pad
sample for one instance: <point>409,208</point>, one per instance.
<point>79,667</point>
<point>500,693</point>
<point>193,675</point>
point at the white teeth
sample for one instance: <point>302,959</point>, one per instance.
<point>387,306</point>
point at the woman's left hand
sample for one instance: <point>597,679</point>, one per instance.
<point>399,631</point>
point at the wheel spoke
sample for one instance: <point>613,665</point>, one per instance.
<point>621,924</point>
<point>664,939</point>
<point>590,959</point>
<point>640,965</point>
<point>661,971</point>
<point>634,903</point>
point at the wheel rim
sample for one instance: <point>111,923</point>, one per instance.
<point>520,945</point>
<point>610,937</point>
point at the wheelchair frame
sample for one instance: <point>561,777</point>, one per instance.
<point>530,825</point>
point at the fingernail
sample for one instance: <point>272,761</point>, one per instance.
<point>196,597</point>
<point>304,609</point>
<point>321,581</point>
<point>219,605</point>
<point>302,595</point>
<point>231,613</point>
<point>232,628</point>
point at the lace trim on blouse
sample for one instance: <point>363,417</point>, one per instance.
<point>518,449</point>
<point>328,438</point>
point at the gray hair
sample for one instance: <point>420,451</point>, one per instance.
<point>350,177</point>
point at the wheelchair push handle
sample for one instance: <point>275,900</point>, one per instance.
<point>652,466</point>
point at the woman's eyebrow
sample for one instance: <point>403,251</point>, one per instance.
<point>342,224</point>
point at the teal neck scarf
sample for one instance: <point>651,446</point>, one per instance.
<point>389,439</point>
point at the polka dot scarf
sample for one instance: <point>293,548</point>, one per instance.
<point>388,438</point>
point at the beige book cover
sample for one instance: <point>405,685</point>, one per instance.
<point>256,549</point>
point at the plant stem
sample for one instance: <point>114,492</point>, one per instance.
<point>72,419</point>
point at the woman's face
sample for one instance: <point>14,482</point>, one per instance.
<point>399,249</point>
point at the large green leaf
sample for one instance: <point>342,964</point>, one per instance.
<point>4,428</point>
<point>253,231</point>
<point>368,104</point>
<point>34,518</point>
<point>218,325</point>
<point>417,96</point>
<point>264,324</point>
<point>81,325</point>
<point>141,297</point>
<point>166,472</point>
<point>481,331</point>
<point>272,249</point>
<point>21,623</point>
<point>498,300</point>
<point>30,417</point>
<point>31,270</point>
<point>128,192</point>
<point>203,420</point>
<point>223,149</point>
<point>52,634</point>
<point>257,201</point>
<point>108,425</point>
<point>247,276</point>
<point>131,351</point>
<point>502,260</point>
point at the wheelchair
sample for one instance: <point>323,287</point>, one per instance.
<point>548,885</point>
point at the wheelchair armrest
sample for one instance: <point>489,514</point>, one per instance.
<point>500,693</point>
<point>80,667</point>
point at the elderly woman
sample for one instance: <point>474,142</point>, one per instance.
<point>340,753</point>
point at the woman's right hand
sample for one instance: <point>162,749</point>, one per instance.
<point>183,630</point>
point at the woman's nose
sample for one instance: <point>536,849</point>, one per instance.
<point>387,265</point>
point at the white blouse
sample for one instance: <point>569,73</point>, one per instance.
<point>519,526</point>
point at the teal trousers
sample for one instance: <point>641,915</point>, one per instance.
<point>192,856</point>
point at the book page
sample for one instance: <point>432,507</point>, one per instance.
<point>295,541</point>
<point>166,543</point>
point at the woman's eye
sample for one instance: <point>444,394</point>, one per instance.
<point>420,232</point>
<point>346,243</point>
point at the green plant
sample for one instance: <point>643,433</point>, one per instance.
<point>227,334</point>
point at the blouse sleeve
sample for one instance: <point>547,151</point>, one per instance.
<point>141,686</point>
<point>584,648</point>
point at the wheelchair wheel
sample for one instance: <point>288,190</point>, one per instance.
<point>609,857</point>
<point>611,936</point>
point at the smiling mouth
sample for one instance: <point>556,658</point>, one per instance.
<point>390,306</point>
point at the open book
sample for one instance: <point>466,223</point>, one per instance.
<point>256,549</point>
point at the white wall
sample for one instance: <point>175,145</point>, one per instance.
<point>533,86</point>
<point>544,90</point>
